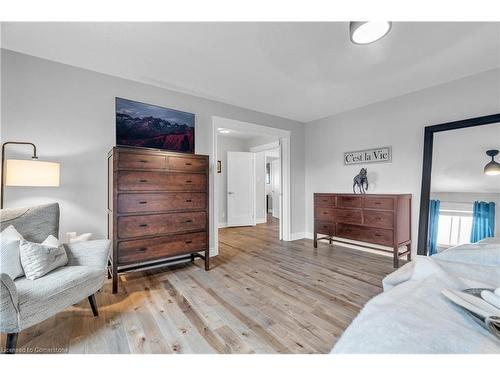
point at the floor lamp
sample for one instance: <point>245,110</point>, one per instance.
<point>27,172</point>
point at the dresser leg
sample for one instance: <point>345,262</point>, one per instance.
<point>115,281</point>
<point>192,257</point>
<point>315,240</point>
<point>396,258</point>
<point>408,256</point>
<point>330,240</point>
<point>207,260</point>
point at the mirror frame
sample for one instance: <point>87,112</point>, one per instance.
<point>425,192</point>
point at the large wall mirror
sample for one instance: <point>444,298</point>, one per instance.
<point>460,198</point>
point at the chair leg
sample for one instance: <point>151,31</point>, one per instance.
<point>93,305</point>
<point>10,347</point>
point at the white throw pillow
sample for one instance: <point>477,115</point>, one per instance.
<point>51,241</point>
<point>39,259</point>
<point>81,238</point>
<point>486,255</point>
<point>10,261</point>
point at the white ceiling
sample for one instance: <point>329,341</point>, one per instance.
<point>459,157</point>
<point>301,71</point>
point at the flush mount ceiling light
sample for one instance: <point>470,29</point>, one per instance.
<point>223,131</point>
<point>365,32</point>
<point>492,168</point>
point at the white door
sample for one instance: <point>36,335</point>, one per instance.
<point>276,182</point>
<point>240,189</point>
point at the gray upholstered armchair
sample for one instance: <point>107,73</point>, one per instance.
<point>23,302</point>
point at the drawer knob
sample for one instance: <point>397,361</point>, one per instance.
<point>325,213</point>
<point>188,181</point>
<point>143,225</point>
<point>143,161</point>
<point>188,200</point>
<point>143,180</point>
<point>189,221</point>
<point>378,235</point>
<point>376,202</point>
<point>188,164</point>
<point>188,242</point>
<point>142,249</point>
<point>143,202</point>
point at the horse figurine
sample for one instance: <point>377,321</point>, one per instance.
<point>361,181</point>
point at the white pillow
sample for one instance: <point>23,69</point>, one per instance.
<point>489,240</point>
<point>10,261</point>
<point>39,259</point>
<point>51,241</point>
<point>488,255</point>
<point>81,238</point>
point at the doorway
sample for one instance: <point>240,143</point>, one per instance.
<point>251,177</point>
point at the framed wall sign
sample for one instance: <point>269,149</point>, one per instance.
<point>372,155</point>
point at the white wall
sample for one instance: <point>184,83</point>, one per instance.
<point>225,144</point>
<point>69,113</point>
<point>399,123</point>
<point>449,198</point>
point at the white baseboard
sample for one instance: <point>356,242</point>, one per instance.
<point>297,236</point>
<point>261,221</point>
<point>222,225</point>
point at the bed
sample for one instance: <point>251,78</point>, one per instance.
<point>412,316</point>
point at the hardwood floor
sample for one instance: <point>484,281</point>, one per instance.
<point>260,296</point>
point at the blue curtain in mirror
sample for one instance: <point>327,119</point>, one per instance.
<point>433,225</point>
<point>483,221</point>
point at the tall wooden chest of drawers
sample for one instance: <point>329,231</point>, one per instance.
<point>368,218</point>
<point>157,208</point>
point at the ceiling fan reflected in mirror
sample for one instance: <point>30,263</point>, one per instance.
<point>493,167</point>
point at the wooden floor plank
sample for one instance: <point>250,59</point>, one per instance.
<point>261,295</point>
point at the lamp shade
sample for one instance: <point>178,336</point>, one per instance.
<point>31,173</point>
<point>492,168</point>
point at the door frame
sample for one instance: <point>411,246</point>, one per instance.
<point>268,147</point>
<point>284,142</point>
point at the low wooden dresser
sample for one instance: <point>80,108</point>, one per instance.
<point>157,209</point>
<point>368,218</point>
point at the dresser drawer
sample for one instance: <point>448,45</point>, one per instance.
<point>379,203</point>
<point>187,164</point>
<point>150,202</point>
<point>152,225</point>
<point>324,201</point>
<point>383,237</point>
<point>162,247</point>
<point>348,202</point>
<point>141,161</point>
<point>187,181</point>
<point>323,213</point>
<point>151,181</point>
<point>347,216</point>
<point>325,227</point>
<point>379,219</point>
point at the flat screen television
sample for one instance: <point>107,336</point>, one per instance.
<point>146,125</point>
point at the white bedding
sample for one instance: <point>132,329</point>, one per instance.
<point>412,316</point>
